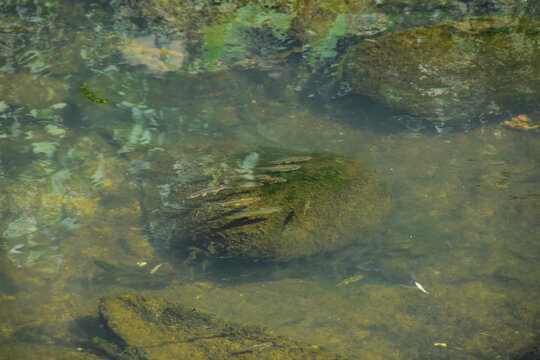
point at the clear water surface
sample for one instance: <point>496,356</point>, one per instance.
<point>464,222</point>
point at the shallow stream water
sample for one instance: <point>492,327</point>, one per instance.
<point>464,222</point>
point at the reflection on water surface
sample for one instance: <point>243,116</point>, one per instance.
<point>78,222</point>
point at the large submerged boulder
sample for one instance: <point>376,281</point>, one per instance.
<point>258,204</point>
<point>457,69</point>
<point>154,328</point>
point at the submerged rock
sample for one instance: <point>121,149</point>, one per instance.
<point>457,69</point>
<point>62,195</point>
<point>437,9</point>
<point>143,50</point>
<point>153,328</point>
<point>258,204</point>
<point>32,90</point>
<point>21,351</point>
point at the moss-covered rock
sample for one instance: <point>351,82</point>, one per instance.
<point>259,204</point>
<point>457,69</point>
<point>153,328</point>
<point>444,8</point>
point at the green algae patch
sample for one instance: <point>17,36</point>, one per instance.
<point>154,328</point>
<point>454,70</point>
<point>91,95</point>
<point>259,204</point>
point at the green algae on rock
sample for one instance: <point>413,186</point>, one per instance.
<point>154,328</point>
<point>259,204</point>
<point>457,69</point>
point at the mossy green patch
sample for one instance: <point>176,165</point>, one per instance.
<point>233,39</point>
<point>326,47</point>
<point>283,206</point>
<point>91,95</point>
<point>154,328</point>
<point>454,70</point>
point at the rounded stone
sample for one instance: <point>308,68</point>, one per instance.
<point>453,70</point>
<point>259,204</point>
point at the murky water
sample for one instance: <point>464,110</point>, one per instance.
<point>464,222</point>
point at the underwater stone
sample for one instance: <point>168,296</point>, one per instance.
<point>22,351</point>
<point>454,70</point>
<point>154,328</point>
<point>31,90</point>
<point>259,204</point>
